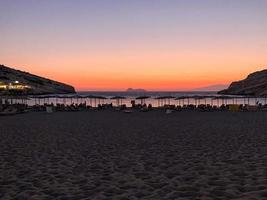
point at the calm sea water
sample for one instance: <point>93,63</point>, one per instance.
<point>132,96</point>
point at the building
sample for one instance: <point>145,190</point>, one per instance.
<point>16,85</point>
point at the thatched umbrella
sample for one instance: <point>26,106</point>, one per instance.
<point>218,99</point>
<point>71,97</point>
<point>212,98</point>
<point>62,97</point>
<point>197,99</point>
<point>235,99</point>
<point>51,97</point>
<point>77,97</point>
<point>143,99</point>
<point>118,100</point>
<point>239,97</point>
<point>96,99</point>
<point>23,99</point>
<point>35,99</point>
<point>164,100</point>
<point>41,97</point>
<point>57,97</point>
<point>91,98</point>
<point>101,99</point>
<point>182,98</point>
<point>206,97</point>
<point>223,98</point>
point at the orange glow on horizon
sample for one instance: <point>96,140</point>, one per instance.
<point>148,70</point>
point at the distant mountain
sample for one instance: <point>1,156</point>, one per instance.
<point>213,88</point>
<point>254,84</point>
<point>38,85</point>
<point>135,90</point>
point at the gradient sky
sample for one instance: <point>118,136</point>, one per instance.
<point>151,44</point>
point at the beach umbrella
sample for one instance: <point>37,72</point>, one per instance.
<point>240,98</point>
<point>202,98</point>
<point>159,101</point>
<point>32,97</point>
<point>143,99</point>
<point>249,99</point>
<point>77,97</point>
<point>56,97</point>
<point>23,99</point>
<point>118,99</point>
<point>96,99</point>
<point>62,97</point>
<point>163,100</point>
<point>90,97</point>
<point>39,99</point>
<point>197,99</point>
<point>101,99</point>
<point>218,99</point>
<point>182,98</point>
<point>74,97</point>
<point>50,97</point>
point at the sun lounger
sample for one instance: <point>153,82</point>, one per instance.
<point>49,109</point>
<point>127,111</point>
<point>169,111</point>
<point>8,112</point>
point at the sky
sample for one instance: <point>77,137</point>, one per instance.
<point>150,44</point>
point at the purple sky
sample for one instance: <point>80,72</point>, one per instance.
<point>58,38</point>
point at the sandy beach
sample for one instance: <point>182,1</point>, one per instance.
<point>114,155</point>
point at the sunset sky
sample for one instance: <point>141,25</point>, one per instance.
<point>150,44</point>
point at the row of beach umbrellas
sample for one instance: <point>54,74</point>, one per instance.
<point>162,100</point>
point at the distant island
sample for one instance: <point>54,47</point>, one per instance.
<point>255,84</point>
<point>15,80</point>
<point>135,90</point>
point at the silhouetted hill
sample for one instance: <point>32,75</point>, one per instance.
<point>39,85</point>
<point>254,84</point>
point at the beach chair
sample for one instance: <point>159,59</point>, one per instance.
<point>49,109</point>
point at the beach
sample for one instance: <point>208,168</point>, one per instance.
<point>142,155</point>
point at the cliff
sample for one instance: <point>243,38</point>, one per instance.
<point>255,84</point>
<point>37,84</point>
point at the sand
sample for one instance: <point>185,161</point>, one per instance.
<point>113,155</point>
